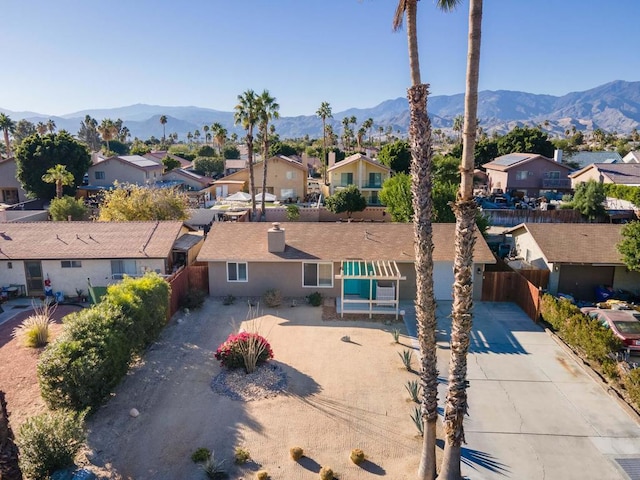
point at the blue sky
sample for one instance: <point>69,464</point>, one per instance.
<point>67,55</point>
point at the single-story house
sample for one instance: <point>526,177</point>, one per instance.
<point>233,165</point>
<point>579,256</point>
<point>582,159</point>
<point>618,173</point>
<point>11,191</point>
<point>69,253</point>
<point>246,259</point>
<point>124,169</point>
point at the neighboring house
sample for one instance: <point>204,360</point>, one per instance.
<point>233,165</point>
<point>188,180</point>
<point>582,159</point>
<point>529,173</point>
<point>286,179</point>
<point>366,174</point>
<point>69,253</point>
<point>157,157</point>
<point>579,256</point>
<point>124,169</point>
<point>246,259</point>
<point>632,157</point>
<point>618,173</point>
<point>11,191</point>
<point>225,187</point>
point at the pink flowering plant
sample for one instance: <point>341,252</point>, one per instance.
<point>245,349</point>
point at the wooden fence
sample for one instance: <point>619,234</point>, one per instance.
<point>191,277</point>
<point>524,288</point>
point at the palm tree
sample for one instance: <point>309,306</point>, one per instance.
<point>107,130</point>
<point>324,112</point>
<point>267,110</point>
<point>7,126</point>
<point>246,114</point>
<point>465,210</point>
<point>458,124</point>
<point>205,129</point>
<point>368,125</point>
<point>421,183</point>
<point>345,133</point>
<point>125,133</point>
<point>360,135</point>
<point>41,128</point>
<point>60,176</point>
<point>219,135</point>
<point>196,136</point>
<point>163,122</point>
<point>189,137</point>
<point>51,126</point>
<point>380,132</point>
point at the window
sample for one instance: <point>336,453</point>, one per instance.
<point>291,175</point>
<point>346,179</point>
<point>120,268</point>
<point>287,193</point>
<point>9,264</point>
<point>553,175</point>
<point>317,275</point>
<point>71,264</point>
<point>236,272</point>
<point>522,175</point>
<point>99,175</point>
<point>375,179</point>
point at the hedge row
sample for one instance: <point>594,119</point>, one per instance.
<point>623,192</point>
<point>589,337</point>
<point>94,350</point>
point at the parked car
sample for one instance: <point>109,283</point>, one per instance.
<point>625,324</point>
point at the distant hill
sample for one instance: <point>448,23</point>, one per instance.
<point>613,107</point>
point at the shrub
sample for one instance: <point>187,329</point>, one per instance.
<point>632,385</point>
<point>34,330</point>
<point>296,453</point>
<point>214,468</point>
<point>201,455</point>
<point>241,456</point>
<point>228,300</point>
<point>49,442</point>
<point>315,299</point>
<point>272,298</point>
<point>326,473</point>
<point>262,475</point>
<point>237,348</point>
<point>193,299</point>
<point>407,357</point>
<point>414,389</point>
<point>416,416</point>
<point>357,456</point>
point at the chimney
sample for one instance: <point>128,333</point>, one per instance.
<point>557,156</point>
<point>275,238</point>
<point>332,159</point>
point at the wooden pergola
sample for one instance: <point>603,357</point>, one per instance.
<point>371,287</point>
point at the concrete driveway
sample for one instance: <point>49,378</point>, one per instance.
<point>533,411</point>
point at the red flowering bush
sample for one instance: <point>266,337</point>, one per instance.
<point>245,350</point>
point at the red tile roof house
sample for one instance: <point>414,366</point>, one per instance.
<point>527,172</point>
<point>246,259</point>
<point>579,256</point>
<point>70,252</point>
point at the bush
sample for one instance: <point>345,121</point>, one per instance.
<point>632,385</point>
<point>272,298</point>
<point>241,456</point>
<point>233,352</point>
<point>201,455</point>
<point>49,442</point>
<point>193,299</point>
<point>214,468</point>
<point>296,453</point>
<point>326,473</point>
<point>34,330</point>
<point>357,456</point>
<point>262,475</point>
<point>315,299</point>
<point>81,368</point>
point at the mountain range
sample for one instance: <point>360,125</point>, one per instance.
<point>612,107</point>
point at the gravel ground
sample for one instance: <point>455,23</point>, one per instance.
<point>267,381</point>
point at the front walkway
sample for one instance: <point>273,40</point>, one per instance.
<point>533,411</point>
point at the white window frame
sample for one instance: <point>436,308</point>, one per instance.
<point>317,264</point>
<point>291,175</point>
<point>70,264</point>
<point>238,279</point>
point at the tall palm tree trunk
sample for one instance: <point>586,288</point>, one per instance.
<point>456,404</point>
<point>421,185</point>
<point>6,142</point>
<point>325,163</point>
<point>264,174</point>
<point>252,188</point>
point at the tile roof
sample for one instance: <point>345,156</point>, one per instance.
<point>586,158</point>
<point>583,243</point>
<point>356,157</point>
<point>618,173</point>
<point>87,240</point>
<point>330,241</point>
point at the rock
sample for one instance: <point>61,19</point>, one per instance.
<point>346,338</point>
<point>134,412</point>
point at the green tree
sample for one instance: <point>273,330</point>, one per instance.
<point>208,166</point>
<point>396,196</point>
<point>37,154</point>
<point>24,128</point>
<point>139,148</point>
<point>267,110</point>
<point>525,140</point>
<point>347,200</point>
<point>446,169</point>
<point>88,133</point>
<point>108,131</point>
<point>7,126</point>
<point>589,199</point>
<point>170,163</point>
<point>59,176</point>
<point>206,151</point>
<point>128,203</point>
<point>420,143</point>
<point>219,135</point>
<point>230,152</point>
<point>61,209</point>
<point>485,151</point>
<point>629,246</point>
<point>396,156</point>
<point>293,213</point>
<point>163,122</point>
<point>247,115</point>
<point>280,148</point>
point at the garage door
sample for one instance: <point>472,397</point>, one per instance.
<point>581,281</point>
<point>443,280</point>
